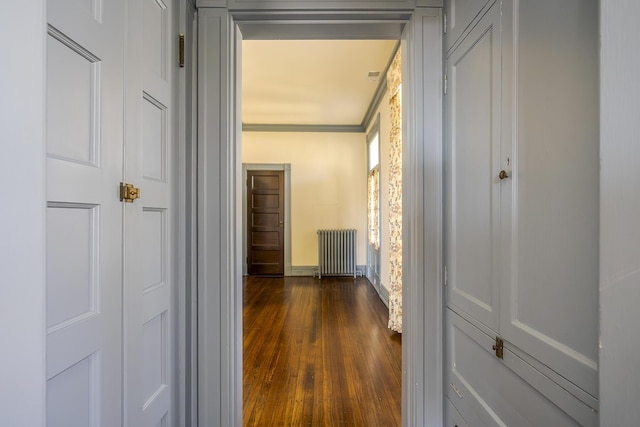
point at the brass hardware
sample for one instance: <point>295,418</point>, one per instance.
<point>503,174</point>
<point>128,193</point>
<point>181,50</point>
<point>499,348</point>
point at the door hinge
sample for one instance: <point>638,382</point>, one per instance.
<point>445,275</point>
<point>445,84</point>
<point>444,23</point>
<point>499,348</point>
<point>181,50</point>
<point>128,193</point>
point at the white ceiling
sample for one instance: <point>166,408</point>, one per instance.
<point>310,82</point>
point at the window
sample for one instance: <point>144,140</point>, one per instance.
<point>373,186</point>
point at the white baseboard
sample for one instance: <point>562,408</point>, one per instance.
<point>304,270</point>
<point>384,295</point>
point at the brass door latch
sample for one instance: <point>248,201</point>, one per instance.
<point>128,193</point>
<point>499,348</point>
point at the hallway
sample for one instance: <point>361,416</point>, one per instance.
<point>318,352</point>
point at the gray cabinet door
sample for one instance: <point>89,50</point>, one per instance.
<point>472,166</point>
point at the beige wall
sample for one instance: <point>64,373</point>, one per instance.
<point>328,184</point>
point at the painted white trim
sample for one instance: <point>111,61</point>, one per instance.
<point>380,93</point>
<point>286,167</point>
<point>185,377</point>
<point>22,213</point>
<point>219,228</point>
<point>383,293</point>
<point>320,4</point>
<point>619,212</point>
<point>326,25</point>
<point>304,270</point>
<point>219,219</point>
<point>422,347</point>
<point>257,127</point>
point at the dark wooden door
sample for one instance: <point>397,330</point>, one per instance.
<point>265,217</point>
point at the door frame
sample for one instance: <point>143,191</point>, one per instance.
<point>374,255</point>
<point>286,167</point>
<point>220,189</point>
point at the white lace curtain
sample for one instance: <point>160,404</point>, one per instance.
<point>394,85</point>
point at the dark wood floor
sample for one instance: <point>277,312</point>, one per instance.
<point>318,353</point>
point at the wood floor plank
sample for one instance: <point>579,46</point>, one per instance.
<point>318,353</point>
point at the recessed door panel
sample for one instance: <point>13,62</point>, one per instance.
<point>154,136</point>
<point>154,247</point>
<point>72,395</point>
<point>266,201</point>
<point>154,362</point>
<point>73,100</point>
<point>72,255</point>
<point>265,219</point>
<point>266,183</point>
<point>473,150</point>
<point>266,238</point>
<point>155,22</point>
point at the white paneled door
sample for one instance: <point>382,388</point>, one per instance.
<point>148,238</point>
<point>109,287</point>
<point>84,214</point>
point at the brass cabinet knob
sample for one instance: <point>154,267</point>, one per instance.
<point>503,174</point>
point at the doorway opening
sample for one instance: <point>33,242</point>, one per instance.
<point>311,105</point>
<point>219,251</point>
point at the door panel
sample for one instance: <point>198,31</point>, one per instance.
<point>84,215</point>
<point>551,301</point>
<point>154,138</point>
<point>72,277</point>
<point>155,98</point>
<point>149,236</point>
<point>452,417</point>
<point>265,216</point>
<point>460,14</point>
<point>488,391</point>
<point>71,395</point>
<point>473,203</point>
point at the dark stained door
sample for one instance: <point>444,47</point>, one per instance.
<point>265,217</point>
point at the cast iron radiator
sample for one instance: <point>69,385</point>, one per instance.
<point>337,253</point>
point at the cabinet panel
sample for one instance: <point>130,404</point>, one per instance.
<point>488,391</point>
<point>473,155</point>
<point>459,15</point>
<point>452,417</point>
<point>550,294</point>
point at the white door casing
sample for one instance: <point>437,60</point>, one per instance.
<point>84,214</point>
<point>219,207</point>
